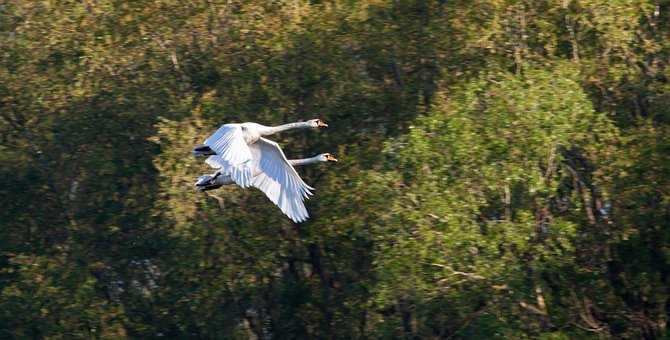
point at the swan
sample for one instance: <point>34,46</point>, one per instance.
<point>231,143</point>
<point>219,179</point>
<point>273,174</point>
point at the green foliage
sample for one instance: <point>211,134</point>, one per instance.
<point>482,173</point>
<point>503,169</point>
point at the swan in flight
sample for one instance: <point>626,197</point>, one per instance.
<point>273,174</point>
<point>219,179</point>
<point>232,144</point>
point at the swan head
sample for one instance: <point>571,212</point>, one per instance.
<point>317,123</point>
<point>326,157</point>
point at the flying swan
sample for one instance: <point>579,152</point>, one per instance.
<point>273,174</point>
<point>232,142</point>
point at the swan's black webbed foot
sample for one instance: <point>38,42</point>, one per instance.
<point>207,182</point>
<point>203,150</point>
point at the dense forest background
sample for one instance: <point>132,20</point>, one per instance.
<point>504,169</point>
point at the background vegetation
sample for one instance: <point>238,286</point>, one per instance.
<point>504,173</point>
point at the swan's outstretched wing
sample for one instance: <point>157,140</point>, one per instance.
<point>279,180</point>
<point>217,162</point>
<point>232,153</point>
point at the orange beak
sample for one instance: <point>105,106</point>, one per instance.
<point>321,124</point>
<point>331,158</point>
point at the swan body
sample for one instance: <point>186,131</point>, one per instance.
<point>219,179</point>
<point>273,174</point>
<point>231,144</point>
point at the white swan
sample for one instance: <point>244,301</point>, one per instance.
<point>231,143</point>
<point>273,174</point>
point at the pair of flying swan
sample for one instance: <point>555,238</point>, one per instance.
<point>241,155</point>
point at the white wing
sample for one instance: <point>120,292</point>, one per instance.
<point>216,162</point>
<point>232,153</point>
<point>279,180</point>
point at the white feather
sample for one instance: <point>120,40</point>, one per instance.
<point>232,153</point>
<point>250,160</point>
<point>279,180</point>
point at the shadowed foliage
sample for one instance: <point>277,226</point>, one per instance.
<point>504,169</point>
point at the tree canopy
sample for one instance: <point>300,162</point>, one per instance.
<point>504,169</point>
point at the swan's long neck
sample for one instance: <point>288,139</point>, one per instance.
<point>304,161</point>
<point>269,130</point>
